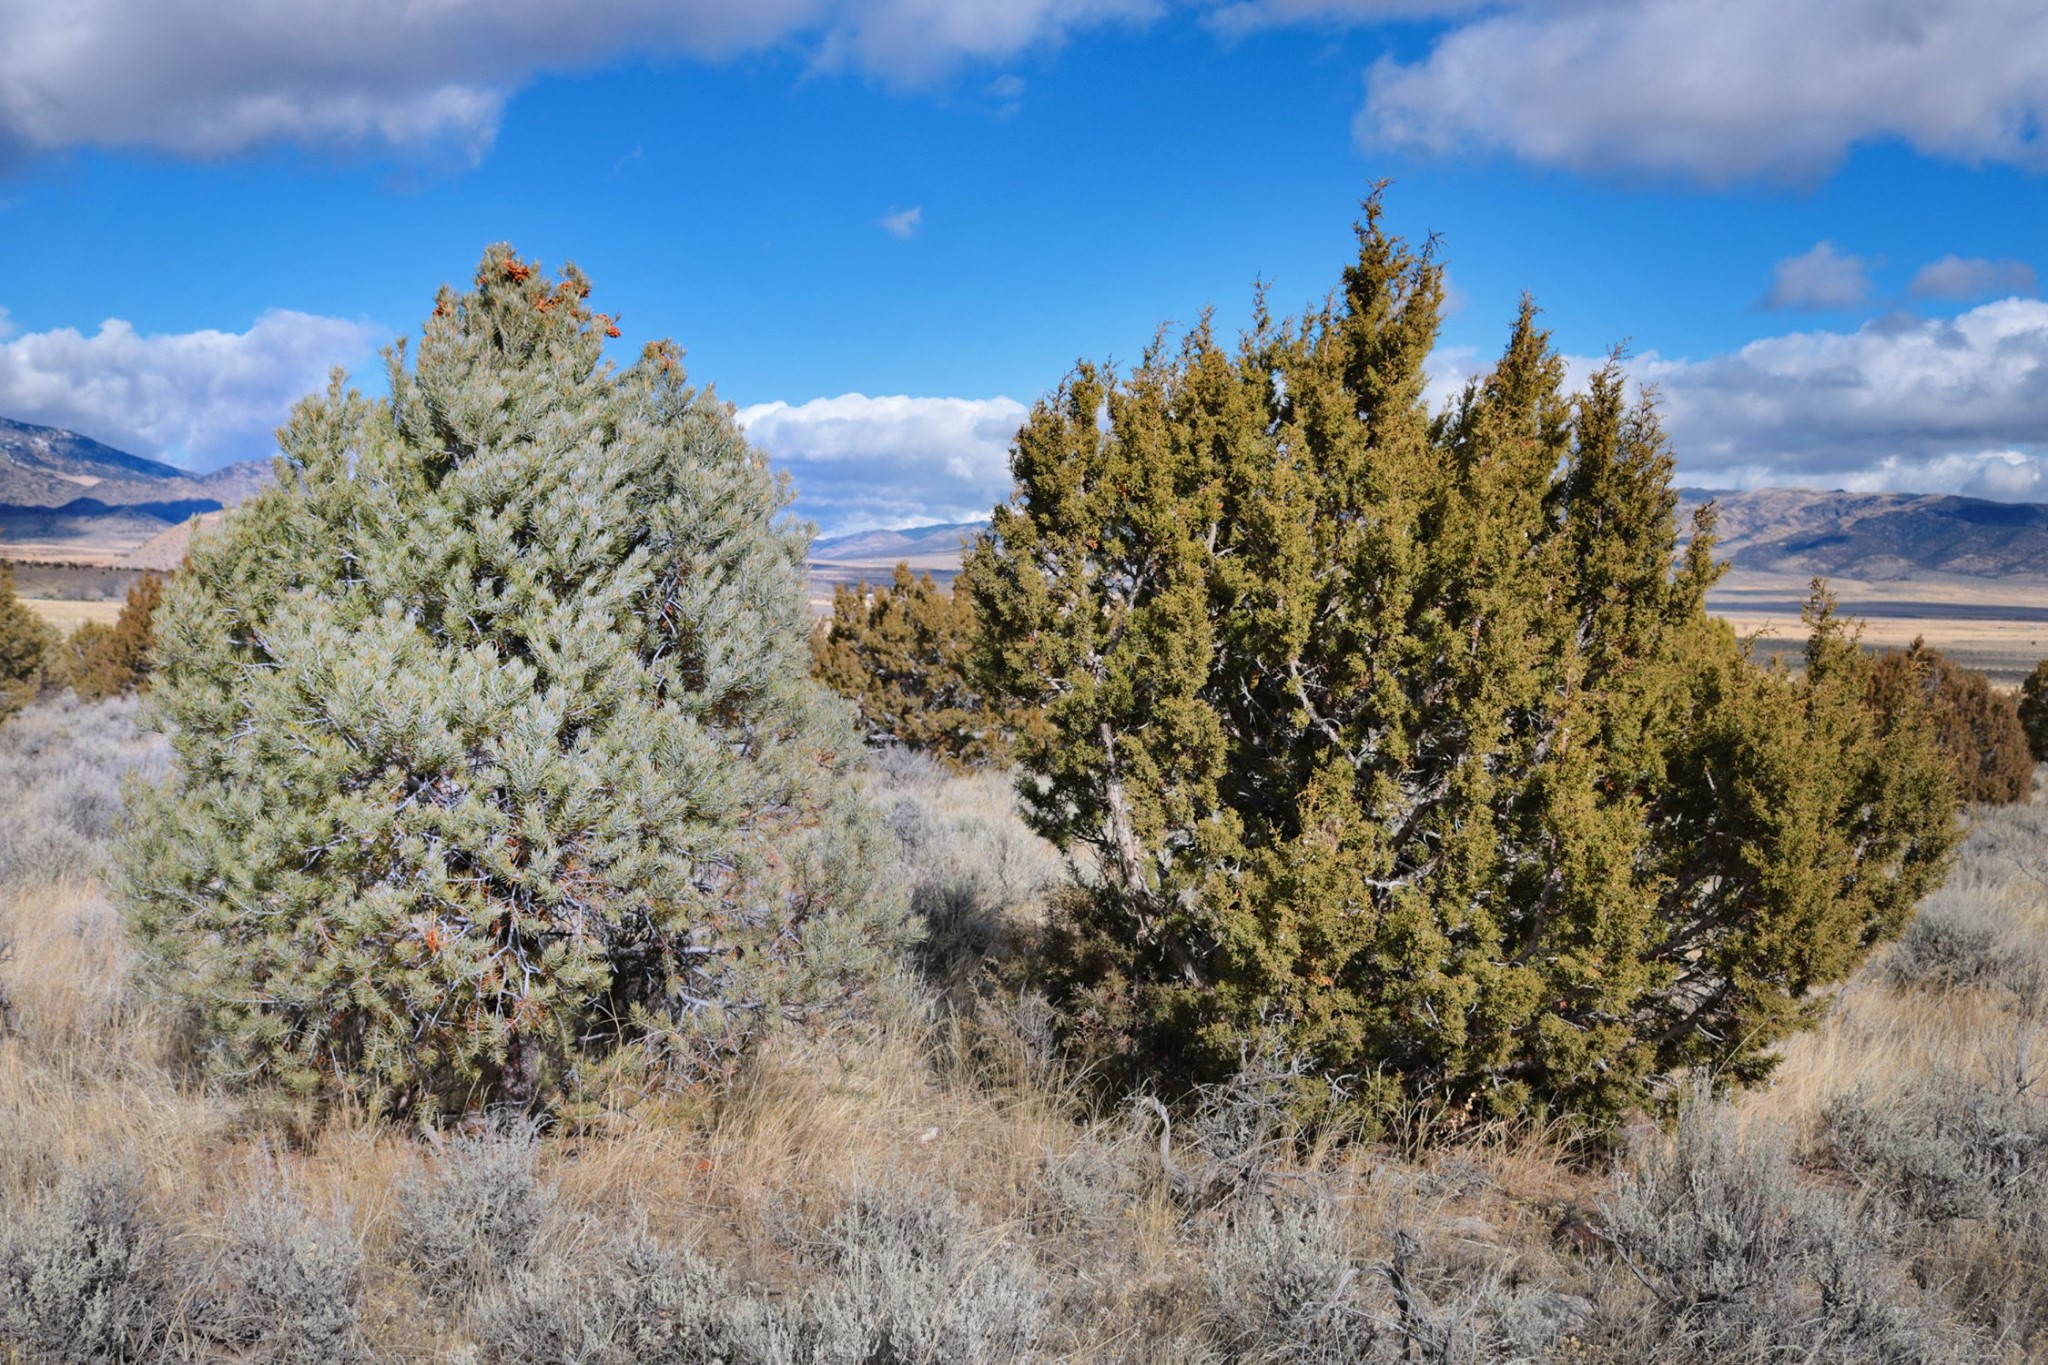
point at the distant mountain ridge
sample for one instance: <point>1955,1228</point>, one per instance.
<point>66,495</point>
<point>912,543</point>
<point>1876,537</point>
<point>1873,537</point>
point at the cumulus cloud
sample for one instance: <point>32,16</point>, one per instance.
<point>1234,17</point>
<point>919,39</point>
<point>905,224</point>
<point>861,463</point>
<point>197,399</point>
<point>1824,277</point>
<point>217,77</point>
<point>1971,277</point>
<point>1939,404</point>
<point>1720,90</point>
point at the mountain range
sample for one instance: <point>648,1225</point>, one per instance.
<point>64,496</point>
<point>67,496</point>
<point>1872,537</point>
<point>1876,537</point>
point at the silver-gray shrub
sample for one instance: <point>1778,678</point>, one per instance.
<point>62,766</point>
<point>1284,1284</point>
<point>286,1287</point>
<point>86,1277</point>
<point>631,1300</point>
<point>908,1276</point>
<point>1948,1147</point>
<point>495,742</point>
<point>1742,1260</point>
<point>972,868</point>
<point>475,1213</point>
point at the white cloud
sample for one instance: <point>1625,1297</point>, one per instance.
<point>1235,17</point>
<point>1720,90</point>
<point>905,224</point>
<point>919,39</point>
<point>198,399</point>
<point>217,77</point>
<point>1972,277</point>
<point>861,463</point>
<point>1824,277</point>
<point>1941,404</point>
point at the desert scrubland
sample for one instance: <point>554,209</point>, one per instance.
<point>932,1184</point>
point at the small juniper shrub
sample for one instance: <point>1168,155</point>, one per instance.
<point>1743,1260</point>
<point>2033,709</point>
<point>476,1212</point>
<point>902,655</point>
<point>97,661</point>
<point>1409,732</point>
<point>86,1277</point>
<point>1977,727</point>
<point>27,644</point>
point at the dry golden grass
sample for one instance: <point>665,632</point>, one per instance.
<point>68,616</point>
<point>1885,1034</point>
<point>949,1091</point>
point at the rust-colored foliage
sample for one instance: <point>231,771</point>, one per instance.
<point>107,661</point>
<point>900,654</point>
<point>1977,726</point>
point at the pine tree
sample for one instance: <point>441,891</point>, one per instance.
<point>495,744</point>
<point>900,654</point>
<point>2033,710</point>
<point>26,644</point>
<point>1978,727</point>
<point>98,661</point>
<point>1410,737</point>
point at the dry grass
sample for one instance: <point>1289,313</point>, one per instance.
<point>1890,1029</point>
<point>799,1215</point>
<point>68,616</point>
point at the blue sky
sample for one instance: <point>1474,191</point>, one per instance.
<point>883,228</point>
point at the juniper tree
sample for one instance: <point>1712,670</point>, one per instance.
<point>1977,727</point>
<point>1409,737</point>
<point>2033,709</point>
<point>900,654</point>
<point>26,643</point>
<point>98,661</point>
<point>495,742</point>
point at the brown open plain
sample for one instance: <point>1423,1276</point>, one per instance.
<point>1998,627</point>
<point>67,615</point>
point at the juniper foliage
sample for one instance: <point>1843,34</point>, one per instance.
<point>26,644</point>
<point>1410,735</point>
<point>900,654</point>
<point>2033,709</point>
<point>97,661</point>
<point>495,742</point>
<point>1977,727</point>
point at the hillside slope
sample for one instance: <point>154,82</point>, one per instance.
<point>1876,537</point>
<point>1872,537</point>
<point>67,496</point>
